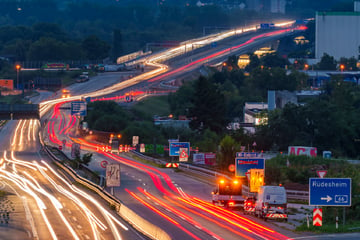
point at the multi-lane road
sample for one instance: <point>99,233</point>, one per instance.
<point>57,209</point>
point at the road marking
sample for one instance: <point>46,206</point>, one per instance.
<point>79,226</point>
<point>86,236</point>
<point>29,216</point>
<point>69,211</point>
<point>74,218</point>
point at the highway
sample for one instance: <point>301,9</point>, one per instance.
<point>177,203</point>
<point>60,210</point>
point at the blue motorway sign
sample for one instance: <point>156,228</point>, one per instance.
<point>174,147</point>
<point>78,108</point>
<point>330,191</point>
<point>242,165</point>
<point>247,154</point>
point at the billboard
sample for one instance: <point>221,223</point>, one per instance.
<point>300,150</point>
<point>199,158</point>
<point>7,83</point>
<point>210,158</point>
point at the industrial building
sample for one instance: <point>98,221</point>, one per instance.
<point>338,33</point>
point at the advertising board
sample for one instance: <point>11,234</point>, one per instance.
<point>300,150</point>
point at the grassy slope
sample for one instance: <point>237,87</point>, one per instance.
<point>153,106</point>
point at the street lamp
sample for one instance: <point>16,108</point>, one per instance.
<point>342,67</point>
<point>18,67</point>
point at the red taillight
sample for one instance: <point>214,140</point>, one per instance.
<point>280,208</point>
<point>231,203</point>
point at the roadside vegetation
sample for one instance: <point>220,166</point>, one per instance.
<point>328,121</point>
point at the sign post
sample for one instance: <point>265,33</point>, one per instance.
<point>317,217</point>
<point>330,192</point>
<point>174,147</point>
<point>183,155</point>
<point>256,179</point>
<point>135,140</point>
<point>113,176</point>
<point>78,108</point>
<point>242,165</point>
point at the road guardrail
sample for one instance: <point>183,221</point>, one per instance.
<point>141,224</point>
<point>291,194</point>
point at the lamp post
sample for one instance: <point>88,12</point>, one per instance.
<point>342,67</point>
<point>18,67</point>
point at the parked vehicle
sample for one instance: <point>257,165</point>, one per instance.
<point>271,203</point>
<point>228,193</point>
<point>83,77</point>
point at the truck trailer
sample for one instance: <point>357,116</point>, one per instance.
<point>228,193</point>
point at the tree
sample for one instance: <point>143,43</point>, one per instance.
<point>208,107</point>
<point>327,62</point>
<point>254,63</point>
<point>47,49</point>
<point>300,79</point>
<point>86,159</point>
<point>231,63</point>
<point>227,152</point>
<point>48,30</point>
<point>117,44</point>
<point>180,101</point>
<point>349,63</point>
<point>272,60</point>
<point>95,48</point>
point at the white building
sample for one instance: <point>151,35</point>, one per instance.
<point>338,34</point>
<point>277,6</point>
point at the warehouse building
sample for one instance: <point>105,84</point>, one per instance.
<point>338,33</point>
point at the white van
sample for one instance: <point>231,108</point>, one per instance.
<point>271,203</point>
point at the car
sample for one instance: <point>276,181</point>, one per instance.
<point>65,93</point>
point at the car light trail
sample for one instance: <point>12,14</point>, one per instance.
<point>165,176</point>
<point>208,218</point>
<point>231,214</point>
<point>180,214</point>
<point>110,218</point>
<point>162,215</point>
<point>15,179</point>
<point>15,134</point>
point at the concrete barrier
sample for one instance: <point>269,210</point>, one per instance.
<point>153,231</point>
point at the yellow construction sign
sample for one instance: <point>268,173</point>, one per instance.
<point>256,179</point>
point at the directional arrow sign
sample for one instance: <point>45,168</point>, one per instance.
<point>330,191</point>
<point>327,198</point>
